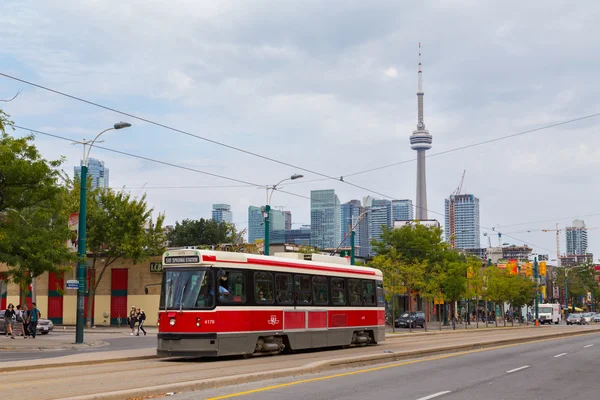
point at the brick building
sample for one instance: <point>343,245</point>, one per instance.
<point>122,286</point>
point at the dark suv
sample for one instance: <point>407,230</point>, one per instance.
<point>413,320</point>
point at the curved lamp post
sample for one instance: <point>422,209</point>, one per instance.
<point>81,253</point>
<point>267,208</point>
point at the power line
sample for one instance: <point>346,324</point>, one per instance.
<point>550,220</point>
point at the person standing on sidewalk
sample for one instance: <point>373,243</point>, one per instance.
<point>10,317</point>
<point>132,320</point>
<point>141,317</point>
<point>34,316</point>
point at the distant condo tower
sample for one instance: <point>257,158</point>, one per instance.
<point>420,141</point>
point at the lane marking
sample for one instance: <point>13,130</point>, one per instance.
<point>431,396</point>
<point>441,357</point>
<point>517,369</point>
<point>589,345</point>
<point>560,355</point>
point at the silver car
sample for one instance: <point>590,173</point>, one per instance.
<point>588,316</point>
<point>44,326</point>
<point>574,319</point>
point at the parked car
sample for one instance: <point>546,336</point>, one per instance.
<point>596,318</point>
<point>412,320</point>
<point>44,326</point>
<point>574,319</point>
<point>588,316</point>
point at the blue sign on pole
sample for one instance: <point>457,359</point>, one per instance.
<point>72,284</point>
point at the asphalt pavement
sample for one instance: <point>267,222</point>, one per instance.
<point>554,369</point>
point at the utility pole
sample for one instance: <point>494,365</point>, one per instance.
<point>267,208</point>
<point>537,290</point>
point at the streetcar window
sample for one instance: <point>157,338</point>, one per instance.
<point>380,296</point>
<point>232,288</point>
<point>356,294</point>
<point>303,290</point>
<point>285,289</point>
<point>368,292</point>
<point>187,289</point>
<point>263,287</point>
<point>320,290</point>
<point>338,291</point>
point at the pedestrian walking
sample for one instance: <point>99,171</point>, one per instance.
<point>33,318</point>
<point>24,316</point>
<point>132,319</point>
<point>10,317</point>
<point>141,317</point>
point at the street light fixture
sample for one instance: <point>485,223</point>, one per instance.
<point>81,254</point>
<point>267,208</point>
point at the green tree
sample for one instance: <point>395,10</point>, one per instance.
<point>119,226</point>
<point>521,291</point>
<point>475,278</point>
<point>454,284</point>
<point>497,287</point>
<point>402,276</point>
<point>201,232</point>
<point>33,221</point>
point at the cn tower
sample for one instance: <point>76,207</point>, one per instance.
<point>421,140</point>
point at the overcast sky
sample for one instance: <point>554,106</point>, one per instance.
<point>327,86</point>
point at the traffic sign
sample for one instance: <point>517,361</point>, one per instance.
<point>72,284</point>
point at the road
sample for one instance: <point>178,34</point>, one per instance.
<point>75,381</point>
<point>115,343</point>
<point>551,370</point>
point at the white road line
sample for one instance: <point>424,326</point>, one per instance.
<point>589,345</point>
<point>431,396</point>
<point>517,369</point>
<point>560,355</point>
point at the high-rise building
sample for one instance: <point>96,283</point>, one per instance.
<point>325,224</point>
<point>462,221</point>
<point>350,212</point>
<point>98,172</point>
<point>379,217</point>
<point>256,225</point>
<point>222,213</point>
<point>420,141</point>
<point>299,236</point>
<point>576,236</point>
<point>288,220</point>
<point>402,210</point>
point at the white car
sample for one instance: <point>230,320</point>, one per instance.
<point>588,316</point>
<point>596,318</point>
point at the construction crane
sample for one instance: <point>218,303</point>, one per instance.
<point>451,212</point>
<point>558,230</point>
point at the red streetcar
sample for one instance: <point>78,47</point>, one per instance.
<point>219,303</point>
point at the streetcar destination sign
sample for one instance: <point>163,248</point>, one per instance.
<point>182,259</point>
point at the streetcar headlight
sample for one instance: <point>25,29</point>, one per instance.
<point>198,321</point>
<point>172,321</point>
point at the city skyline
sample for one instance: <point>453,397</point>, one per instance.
<point>98,172</point>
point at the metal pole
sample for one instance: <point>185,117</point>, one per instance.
<point>82,258</point>
<point>352,247</point>
<point>267,233</point>
<point>537,290</point>
<point>566,293</point>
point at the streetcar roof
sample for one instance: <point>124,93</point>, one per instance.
<point>254,261</point>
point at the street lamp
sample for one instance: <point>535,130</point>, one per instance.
<point>566,274</point>
<point>353,233</point>
<point>81,254</point>
<point>267,208</point>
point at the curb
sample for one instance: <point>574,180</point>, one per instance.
<point>57,348</point>
<point>431,331</point>
<point>312,368</point>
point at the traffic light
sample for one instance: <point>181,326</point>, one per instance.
<point>543,268</point>
<point>529,271</point>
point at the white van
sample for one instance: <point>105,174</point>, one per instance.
<point>549,313</point>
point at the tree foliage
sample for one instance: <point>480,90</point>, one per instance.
<point>33,220</point>
<point>200,232</point>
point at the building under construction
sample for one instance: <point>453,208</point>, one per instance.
<point>462,221</point>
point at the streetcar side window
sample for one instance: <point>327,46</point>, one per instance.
<point>355,289</point>
<point>338,291</point>
<point>285,289</point>
<point>263,287</point>
<point>303,290</point>
<point>232,287</point>
<point>320,290</point>
<point>380,296</point>
<point>368,292</point>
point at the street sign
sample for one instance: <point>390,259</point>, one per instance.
<point>72,284</point>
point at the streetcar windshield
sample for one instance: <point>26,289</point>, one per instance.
<point>185,289</point>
